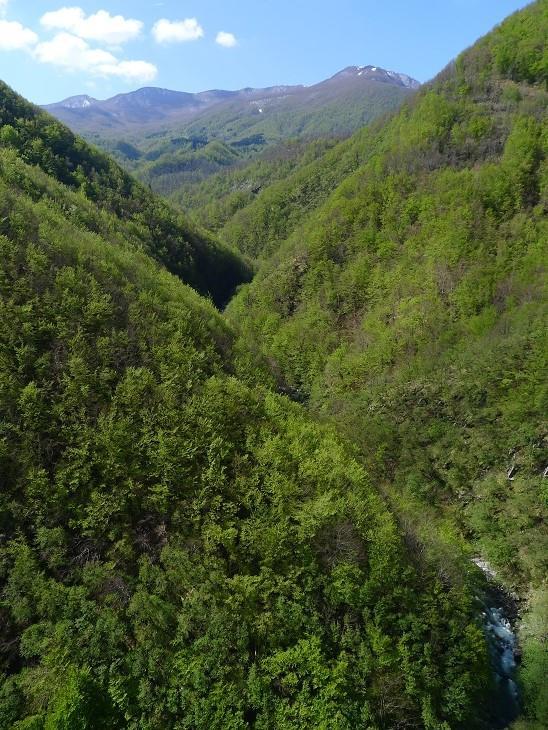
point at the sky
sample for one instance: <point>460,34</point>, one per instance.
<point>51,50</point>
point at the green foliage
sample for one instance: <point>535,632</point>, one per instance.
<point>180,550</point>
<point>185,250</point>
<point>80,705</point>
<point>535,659</point>
<point>213,201</point>
<point>408,305</point>
<point>182,547</point>
<point>519,46</point>
<point>259,227</point>
<point>167,172</point>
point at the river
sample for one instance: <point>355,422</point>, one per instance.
<point>499,613</point>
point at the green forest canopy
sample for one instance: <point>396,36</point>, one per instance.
<point>182,546</point>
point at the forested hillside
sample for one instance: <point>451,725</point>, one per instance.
<point>265,517</point>
<point>173,141</point>
<point>410,308</point>
<point>179,549</point>
<point>195,256</point>
<point>214,200</point>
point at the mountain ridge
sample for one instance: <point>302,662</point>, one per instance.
<point>393,76</point>
<point>148,105</point>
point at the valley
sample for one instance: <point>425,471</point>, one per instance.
<point>174,141</point>
<point>273,401</point>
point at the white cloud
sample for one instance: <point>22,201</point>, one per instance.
<point>177,31</point>
<point>69,52</point>
<point>14,36</point>
<point>140,71</point>
<point>228,40</point>
<point>101,26</point>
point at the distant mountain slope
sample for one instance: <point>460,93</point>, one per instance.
<point>174,140</point>
<point>191,254</point>
<point>136,108</point>
<point>211,113</point>
<point>338,105</point>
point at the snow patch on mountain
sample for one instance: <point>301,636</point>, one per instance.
<point>83,101</point>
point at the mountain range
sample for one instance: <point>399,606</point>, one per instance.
<point>172,140</point>
<point>153,107</point>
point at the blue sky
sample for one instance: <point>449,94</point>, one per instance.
<point>50,50</point>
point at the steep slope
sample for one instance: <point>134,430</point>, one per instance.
<point>215,200</point>
<point>410,307</point>
<point>193,255</point>
<point>178,549</point>
<point>259,227</point>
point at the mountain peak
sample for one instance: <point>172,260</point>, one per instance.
<point>81,101</point>
<point>376,73</point>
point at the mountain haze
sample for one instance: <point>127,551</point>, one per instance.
<point>363,86</point>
